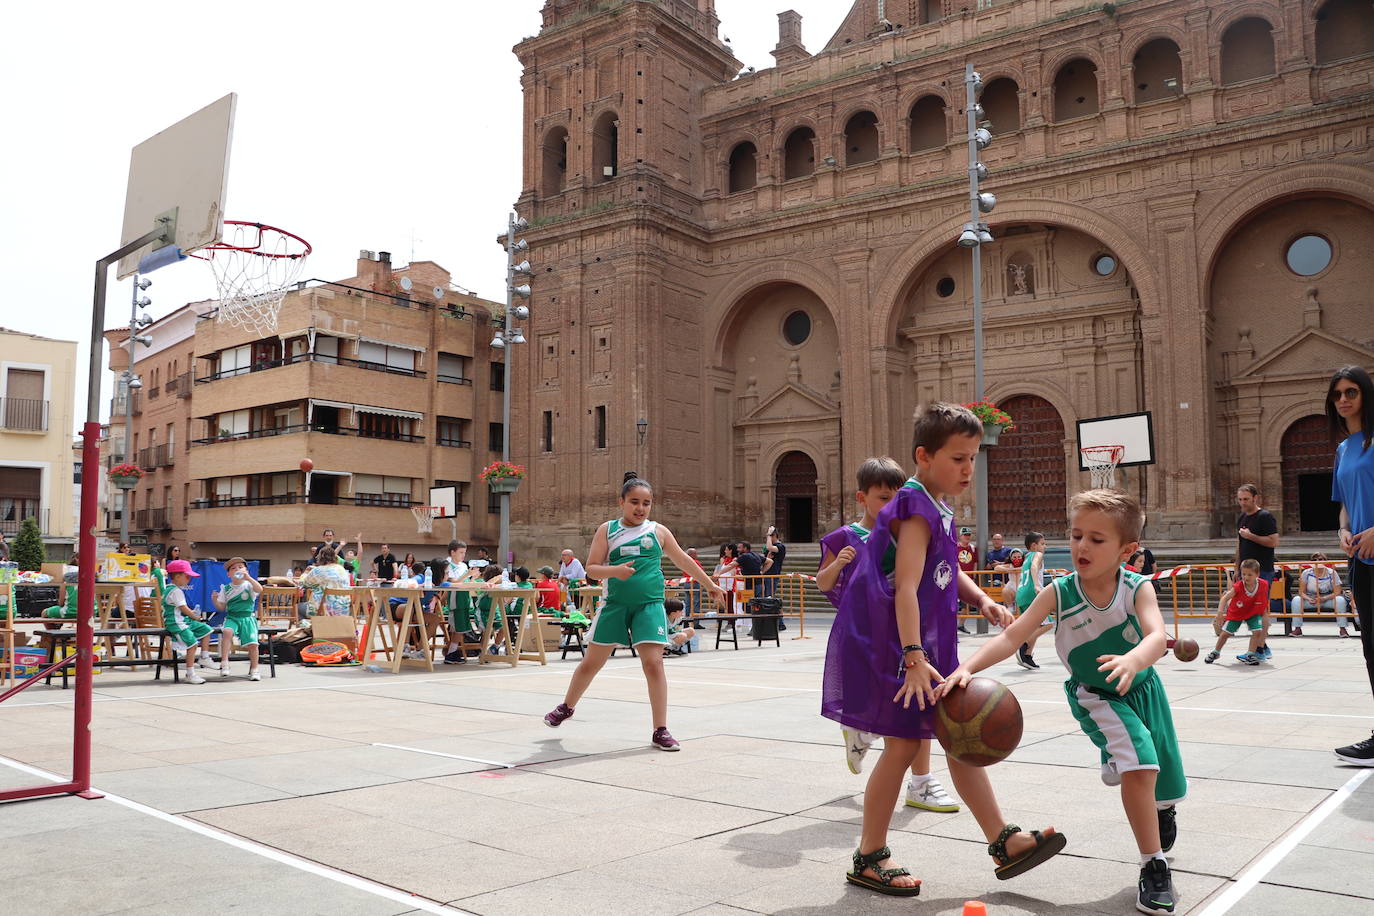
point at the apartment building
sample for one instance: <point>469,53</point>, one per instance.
<point>383,380</point>
<point>36,416</point>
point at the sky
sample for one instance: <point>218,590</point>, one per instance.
<point>389,127</point>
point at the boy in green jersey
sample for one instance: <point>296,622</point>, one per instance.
<point>1108,632</point>
<point>238,598</point>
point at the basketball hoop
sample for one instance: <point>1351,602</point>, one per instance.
<point>424,518</point>
<point>1102,461</point>
<point>253,266</point>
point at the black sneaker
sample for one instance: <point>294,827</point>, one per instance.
<point>1168,827</point>
<point>1360,754</point>
<point>1023,658</point>
<point>1156,888</point>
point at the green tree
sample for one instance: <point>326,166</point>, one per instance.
<point>27,549</point>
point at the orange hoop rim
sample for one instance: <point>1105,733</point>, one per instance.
<point>1103,454</point>
<point>254,249</point>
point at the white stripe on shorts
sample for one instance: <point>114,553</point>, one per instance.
<point>1120,748</point>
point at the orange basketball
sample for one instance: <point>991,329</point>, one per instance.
<point>979,724</point>
<point>1185,649</point>
<point>307,465</point>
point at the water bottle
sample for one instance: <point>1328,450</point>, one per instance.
<point>429,577</point>
<point>374,669</point>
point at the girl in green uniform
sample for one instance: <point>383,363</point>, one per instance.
<point>186,631</point>
<point>238,598</point>
<point>627,553</point>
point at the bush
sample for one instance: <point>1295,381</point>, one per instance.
<point>27,549</point>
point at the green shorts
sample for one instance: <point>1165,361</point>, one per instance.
<point>1254,623</point>
<point>245,628</point>
<point>1134,732</point>
<point>619,625</point>
<point>189,635</point>
<point>59,612</point>
<point>460,611</point>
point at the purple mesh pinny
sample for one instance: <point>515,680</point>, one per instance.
<point>863,662</point>
<point>851,535</point>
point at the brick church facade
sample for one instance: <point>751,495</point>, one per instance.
<point>745,282</point>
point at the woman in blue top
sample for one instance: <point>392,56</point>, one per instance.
<point>1350,408</point>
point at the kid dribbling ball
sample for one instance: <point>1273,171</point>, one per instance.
<point>979,724</point>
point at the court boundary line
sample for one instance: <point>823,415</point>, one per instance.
<point>319,870</point>
<point>1256,873</point>
<point>420,750</point>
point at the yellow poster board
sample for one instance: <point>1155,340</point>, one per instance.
<point>119,567</point>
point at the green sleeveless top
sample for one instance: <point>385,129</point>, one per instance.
<point>638,545</point>
<point>1083,631</point>
<point>240,603</point>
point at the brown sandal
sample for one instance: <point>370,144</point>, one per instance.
<point>883,883</point>
<point>1047,845</point>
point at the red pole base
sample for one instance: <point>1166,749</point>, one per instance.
<point>90,794</point>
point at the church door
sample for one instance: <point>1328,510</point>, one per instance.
<point>1026,485</point>
<point>794,500</point>
<point>1308,459</point>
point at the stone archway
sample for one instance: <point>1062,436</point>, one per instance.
<point>1307,461</point>
<point>1026,479</point>
<point>795,497</point>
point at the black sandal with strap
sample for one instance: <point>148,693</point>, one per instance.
<point>883,883</point>
<point>1046,847</point>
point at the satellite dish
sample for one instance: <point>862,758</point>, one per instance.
<point>438,292</point>
<point>406,283</point>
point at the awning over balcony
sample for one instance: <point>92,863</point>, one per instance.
<point>388,412</point>
<point>391,343</point>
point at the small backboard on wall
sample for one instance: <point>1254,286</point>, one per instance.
<point>1133,431</point>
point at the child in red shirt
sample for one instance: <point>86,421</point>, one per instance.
<point>550,593</point>
<point>1245,602</point>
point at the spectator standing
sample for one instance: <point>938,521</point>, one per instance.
<point>998,554</point>
<point>1257,536</point>
<point>384,564</point>
<point>968,562</point>
<point>726,574</point>
<point>750,566</point>
<point>774,557</point>
<point>482,562</point>
<point>1350,411</point>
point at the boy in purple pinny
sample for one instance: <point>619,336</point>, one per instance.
<point>879,480</point>
<point>894,640</point>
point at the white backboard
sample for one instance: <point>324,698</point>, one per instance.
<point>446,498</point>
<point>183,168</point>
<point>1133,430</point>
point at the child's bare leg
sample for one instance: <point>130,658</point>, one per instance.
<point>1256,640</point>
<point>226,646</point>
<point>1221,640</point>
<point>1138,798</point>
<point>880,797</point>
<point>1030,643</point>
<point>191,657</point>
<point>586,669</point>
<point>252,656</point>
<point>921,765</point>
<point>975,788</point>
<point>651,662</point>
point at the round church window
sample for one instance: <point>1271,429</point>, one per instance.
<point>1104,265</point>
<point>1308,255</point>
<point>796,328</point>
<point>945,288</point>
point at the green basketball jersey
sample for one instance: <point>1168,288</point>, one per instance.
<point>638,545</point>
<point>1084,631</point>
<point>239,600</point>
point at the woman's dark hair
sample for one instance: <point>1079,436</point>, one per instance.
<point>173,548</point>
<point>522,573</point>
<point>727,550</point>
<point>1362,381</point>
<point>409,560</point>
<point>633,481</point>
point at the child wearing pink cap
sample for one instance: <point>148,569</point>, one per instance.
<point>185,630</point>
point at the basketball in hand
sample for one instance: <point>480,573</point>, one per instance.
<point>979,724</point>
<point>1185,649</point>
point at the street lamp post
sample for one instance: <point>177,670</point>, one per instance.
<point>974,235</point>
<point>507,335</point>
<point>131,383</point>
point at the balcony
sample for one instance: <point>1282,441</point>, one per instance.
<point>153,519</point>
<point>264,365</point>
<point>183,385</point>
<point>156,456</point>
<point>272,431</point>
<point>154,393</point>
<point>25,414</point>
<point>288,517</point>
<point>14,516</point>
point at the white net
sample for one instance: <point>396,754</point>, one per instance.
<point>254,265</point>
<point>424,518</point>
<point>1102,461</point>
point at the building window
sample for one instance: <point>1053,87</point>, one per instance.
<point>796,328</point>
<point>496,437</point>
<point>1308,255</point>
<point>599,431</point>
<point>1104,265</point>
<point>498,376</point>
<point>861,138</point>
<point>799,153</point>
<point>945,287</point>
<point>927,124</point>
<point>454,369</point>
<point>20,495</point>
<point>24,406</point>
<point>386,357</point>
<point>377,490</point>
<point>1247,51</point>
<point>493,502</point>
<point>555,155</point>
<point>1001,101</point>
<point>1157,71</point>
<point>1075,90</point>
<point>605,147</point>
<point>547,439</point>
<point>452,432</point>
<point>1345,28</point>
<point>381,426</point>
<point>744,167</point>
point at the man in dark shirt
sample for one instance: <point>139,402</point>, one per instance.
<point>1257,538</point>
<point>776,555</point>
<point>997,553</point>
<point>384,564</point>
<point>750,566</point>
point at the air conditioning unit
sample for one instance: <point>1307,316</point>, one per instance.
<point>608,171</point>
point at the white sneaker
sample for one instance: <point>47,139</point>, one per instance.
<point>856,744</point>
<point>193,678</point>
<point>253,675</point>
<point>203,662</point>
<point>223,670</point>
<point>929,795</point>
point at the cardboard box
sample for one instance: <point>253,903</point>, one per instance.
<point>342,629</point>
<point>29,660</point>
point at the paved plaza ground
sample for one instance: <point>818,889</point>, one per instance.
<point>346,792</point>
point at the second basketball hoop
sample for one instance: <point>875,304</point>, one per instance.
<point>1102,461</point>
<point>254,265</point>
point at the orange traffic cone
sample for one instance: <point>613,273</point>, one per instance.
<point>975,908</point>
